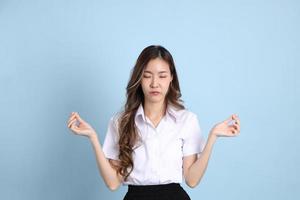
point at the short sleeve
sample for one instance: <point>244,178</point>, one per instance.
<point>193,142</point>
<point>110,146</point>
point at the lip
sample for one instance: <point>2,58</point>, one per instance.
<point>154,93</point>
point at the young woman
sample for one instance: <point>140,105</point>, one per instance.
<point>154,143</point>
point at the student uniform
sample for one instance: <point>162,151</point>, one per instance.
<point>158,155</point>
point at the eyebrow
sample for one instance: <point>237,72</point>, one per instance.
<point>161,72</point>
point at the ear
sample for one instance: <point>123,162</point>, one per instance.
<point>171,78</point>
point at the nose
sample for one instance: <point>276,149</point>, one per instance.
<point>154,82</point>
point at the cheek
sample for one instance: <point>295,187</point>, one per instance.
<point>146,82</point>
<point>166,86</point>
<point>144,85</point>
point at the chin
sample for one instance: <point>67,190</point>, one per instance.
<point>155,100</point>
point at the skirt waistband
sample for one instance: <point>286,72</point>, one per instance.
<point>143,188</point>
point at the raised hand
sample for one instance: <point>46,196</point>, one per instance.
<point>79,126</point>
<point>228,128</point>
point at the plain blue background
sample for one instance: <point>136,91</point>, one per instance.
<point>60,56</point>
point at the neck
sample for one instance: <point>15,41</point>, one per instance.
<point>154,110</point>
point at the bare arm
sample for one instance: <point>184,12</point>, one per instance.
<point>108,173</point>
<point>194,168</point>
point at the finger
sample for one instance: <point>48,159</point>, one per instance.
<point>235,130</point>
<point>78,117</point>
<point>74,129</point>
<point>77,130</point>
<point>71,118</point>
<point>75,122</point>
<point>228,119</point>
<point>236,118</point>
<point>235,126</point>
<point>230,133</point>
<point>71,122</point>
<point>238,128</point>
<point>232,130</point>
<point>237,122</point>
<point>72,114</point>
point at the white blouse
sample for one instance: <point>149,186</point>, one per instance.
<point>158,156</point>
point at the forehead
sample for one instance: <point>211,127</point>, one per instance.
<point>157,65</point>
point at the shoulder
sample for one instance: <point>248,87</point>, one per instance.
<point>116,117</point>
<point>114,121</point>
<point>184,115</point>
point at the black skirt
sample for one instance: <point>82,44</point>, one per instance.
<point>171,191</point>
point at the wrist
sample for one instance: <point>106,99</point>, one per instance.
<point>93,136</point>
<point>212,136</point>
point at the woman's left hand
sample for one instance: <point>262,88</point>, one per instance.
<point>228,128</point>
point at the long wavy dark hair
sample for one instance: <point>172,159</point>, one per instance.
<point>135,96</point>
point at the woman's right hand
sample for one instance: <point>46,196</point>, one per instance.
<point>79,126</point>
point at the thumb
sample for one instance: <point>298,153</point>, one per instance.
<point>229,119</point>
<point>79,118</point>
